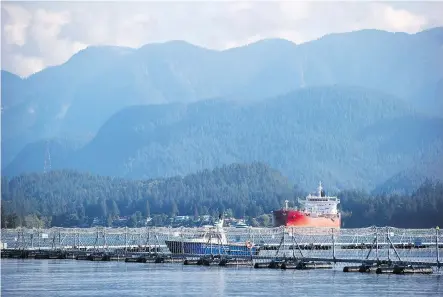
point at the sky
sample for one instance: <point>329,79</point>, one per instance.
<point>35,35</point>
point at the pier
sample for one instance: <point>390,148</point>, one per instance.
<point>373,249</point>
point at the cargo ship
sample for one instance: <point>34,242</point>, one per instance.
<point>318,210</point>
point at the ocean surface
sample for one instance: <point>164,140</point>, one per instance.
<point>30,277</point>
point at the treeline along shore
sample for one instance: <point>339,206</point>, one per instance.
<point>249,191</point>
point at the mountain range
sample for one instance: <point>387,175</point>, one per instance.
<point>354,108</point>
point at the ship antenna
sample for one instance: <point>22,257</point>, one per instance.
<point>319,189</point>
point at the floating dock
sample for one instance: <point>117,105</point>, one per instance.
<point>367,250</point>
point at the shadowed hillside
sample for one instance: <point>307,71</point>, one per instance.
<point>75,99</point>
<point>349,137</point>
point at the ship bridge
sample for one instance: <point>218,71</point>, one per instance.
<point>320,203</point>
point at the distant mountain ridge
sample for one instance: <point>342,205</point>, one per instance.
<point>408,180</point>
<point>348,137</point>
<point>75,99</point>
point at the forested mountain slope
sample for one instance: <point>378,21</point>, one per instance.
<point>349,137</point>
<point>74,99</point>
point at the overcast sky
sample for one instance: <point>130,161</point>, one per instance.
<point>40,34</point>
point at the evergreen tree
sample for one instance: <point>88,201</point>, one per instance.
<point>196,216</point>
<point>103,208</point>
<point>115,209</point>
<point>147,209</point>
<point>174,209</point>
<point>109,221</point>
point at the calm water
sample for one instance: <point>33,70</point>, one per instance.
<point>84,278</point>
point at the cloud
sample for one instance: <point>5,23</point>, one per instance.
<point>40,34</point>
<point>399,19</point>
<point>16,24</point>
<point>24,65</point>
<point>32,38</point>
<point>45,30</point>
<point>403,20</point>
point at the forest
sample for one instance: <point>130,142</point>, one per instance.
<point>354,137</point>
<point>251,191</point>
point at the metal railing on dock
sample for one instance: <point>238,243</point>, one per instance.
<point>362,245</point>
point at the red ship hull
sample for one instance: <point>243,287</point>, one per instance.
<point>295,218</point>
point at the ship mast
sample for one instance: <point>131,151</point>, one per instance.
<point>320,188</point>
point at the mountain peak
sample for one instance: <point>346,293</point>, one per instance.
<point>265,44</point>
<point>435,30</point>
<point>275,41</point>
<point>173,45</point>
<point>97,51</point>
<point>7,76</point>
<point>435,34</point>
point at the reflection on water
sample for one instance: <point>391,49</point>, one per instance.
<point>84,278</point>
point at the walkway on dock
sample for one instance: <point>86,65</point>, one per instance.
<point>362,245</point>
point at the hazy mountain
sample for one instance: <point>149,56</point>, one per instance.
<point>16,116</point>
<point>76,98</point>
<point>410,179</point>
<point>11,90</point>
<point>42,155</point>
<point>430,98</point>
<point>346,136</point>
